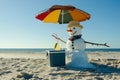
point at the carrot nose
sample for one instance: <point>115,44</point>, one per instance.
<point>69,30</point>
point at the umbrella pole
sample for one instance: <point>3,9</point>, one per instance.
<point>63,32</point>
<point>62,16</point>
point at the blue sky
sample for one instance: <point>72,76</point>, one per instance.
<point>20,29</point>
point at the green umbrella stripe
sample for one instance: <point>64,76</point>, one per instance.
<point>64,17</point>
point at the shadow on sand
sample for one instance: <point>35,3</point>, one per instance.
<point>110,66</point>
<point>99,68</point>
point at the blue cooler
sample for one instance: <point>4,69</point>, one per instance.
<point>56,58</point>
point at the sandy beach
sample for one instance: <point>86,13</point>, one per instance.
<point>35,67</point>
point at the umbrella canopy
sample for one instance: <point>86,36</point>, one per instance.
<point>63,14</point>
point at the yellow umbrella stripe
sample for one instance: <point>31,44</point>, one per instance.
<point>53,16</point>
<point>78,15</point>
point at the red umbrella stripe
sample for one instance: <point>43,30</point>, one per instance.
<point>41,16</point>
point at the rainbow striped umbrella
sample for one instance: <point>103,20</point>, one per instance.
<point>63,14</point>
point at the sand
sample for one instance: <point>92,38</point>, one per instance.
<point>35,67</point>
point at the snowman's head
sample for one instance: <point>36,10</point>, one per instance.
<point>74,28</point>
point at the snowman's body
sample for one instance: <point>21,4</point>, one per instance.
<point>76,46</point>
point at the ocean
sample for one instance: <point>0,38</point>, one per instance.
<point>39,50</point>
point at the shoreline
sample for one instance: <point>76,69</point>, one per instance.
<point>112,55</point>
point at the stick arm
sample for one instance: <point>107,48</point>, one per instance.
<point>105,44</point>
<point>56,37</point>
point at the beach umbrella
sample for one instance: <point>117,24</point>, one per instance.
<point>63,14</point>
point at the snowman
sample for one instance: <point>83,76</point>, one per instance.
<point>76,46</point>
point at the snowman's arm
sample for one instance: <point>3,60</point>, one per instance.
<point>97,44</point>
<point>56,37</point>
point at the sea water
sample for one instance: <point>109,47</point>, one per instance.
<point>102,49</point>
<point>39,50</point>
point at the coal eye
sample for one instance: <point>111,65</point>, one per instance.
<point>73,27</point>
